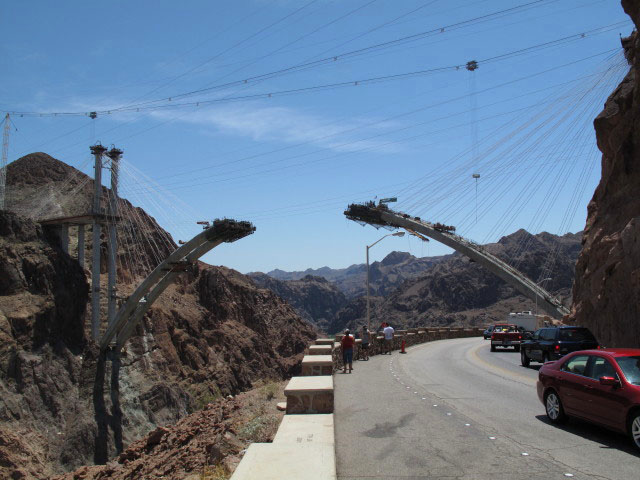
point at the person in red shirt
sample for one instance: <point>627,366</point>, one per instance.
<point>346,344</point>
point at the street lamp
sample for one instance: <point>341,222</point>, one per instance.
<point>397,234</point>
<point>539,284</point>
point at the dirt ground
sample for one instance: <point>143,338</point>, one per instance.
<point>206,445</point>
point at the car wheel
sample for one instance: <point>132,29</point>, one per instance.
<point>553,405</point>
<point>634,428</point>
<point>493,348</point>
<point>524,360</point>
<point>517,348</point>
<point>545,357</point>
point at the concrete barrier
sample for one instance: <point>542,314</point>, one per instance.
<point>317,365</point>
<point>412,336</point>
<point>310,394</point>
<point>306,429</point>
<point>320,350</point>
<point>278,461</point>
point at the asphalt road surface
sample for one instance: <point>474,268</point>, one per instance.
<point>453,409</point>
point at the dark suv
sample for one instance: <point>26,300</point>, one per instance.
<point>488,331</point>
<point>551,343</point>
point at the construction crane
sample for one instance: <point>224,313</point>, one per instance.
<point>3,165</point>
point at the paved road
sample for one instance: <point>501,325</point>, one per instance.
<point>453,409</point>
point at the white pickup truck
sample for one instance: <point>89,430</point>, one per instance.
<point>526,320</point>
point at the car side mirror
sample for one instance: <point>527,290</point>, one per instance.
<point>609,381</point>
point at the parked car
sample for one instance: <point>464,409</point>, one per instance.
<point>506,335</point>
<point>600,386</point>
<point>488,331</point>
<point>552,343</point>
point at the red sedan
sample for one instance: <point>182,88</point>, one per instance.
<point>601,386</point>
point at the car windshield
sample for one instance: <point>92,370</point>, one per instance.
<point>630,366</point>
<point>576,335</point>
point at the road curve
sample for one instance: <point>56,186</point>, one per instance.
<point>453,409</point>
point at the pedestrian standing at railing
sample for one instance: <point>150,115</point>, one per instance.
<point>366,336</point>
<point>346,344</point>
<point>388,338</point>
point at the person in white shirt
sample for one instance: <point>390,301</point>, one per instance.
<point>388,338</point>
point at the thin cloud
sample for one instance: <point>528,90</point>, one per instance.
<point>283,124</point>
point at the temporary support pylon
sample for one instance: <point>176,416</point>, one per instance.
<point>114,154</point>
<point>98,152</point>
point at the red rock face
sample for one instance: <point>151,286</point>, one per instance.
<point>606,294</point>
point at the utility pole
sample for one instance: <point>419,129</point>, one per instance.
<point>98,152</point>
<point>368,307</point>
<point>3,165</point>
<point>114,154</point>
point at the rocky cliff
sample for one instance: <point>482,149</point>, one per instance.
<point>212,333</point>
<point>606,295</point>
<point>315,298</point>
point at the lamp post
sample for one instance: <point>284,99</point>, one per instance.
<point>539,284</point>
<point>396,234</point>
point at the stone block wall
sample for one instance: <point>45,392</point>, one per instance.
<point>412,336</point>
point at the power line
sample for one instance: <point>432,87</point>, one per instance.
<point>359,51</point>
<point>328,86</point>
<point>235,45</point>
<point>306,65</point>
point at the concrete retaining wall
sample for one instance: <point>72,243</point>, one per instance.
<point>412,336</point>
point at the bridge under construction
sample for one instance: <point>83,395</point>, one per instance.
<point>381,215</point>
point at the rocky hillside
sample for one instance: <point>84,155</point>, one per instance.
<point>212,333</point>
<point>314,298</point>
<point>455,291</point>
<point>606,295</point>
<point>459,292</point>
<point>206,445</point>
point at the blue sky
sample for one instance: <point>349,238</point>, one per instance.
<point>292,162</point>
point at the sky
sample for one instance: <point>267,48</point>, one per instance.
<point>283,112</point>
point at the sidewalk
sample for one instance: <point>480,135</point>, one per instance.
<point>382,432</point>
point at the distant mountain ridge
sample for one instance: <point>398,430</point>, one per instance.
<point>386,275</point>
